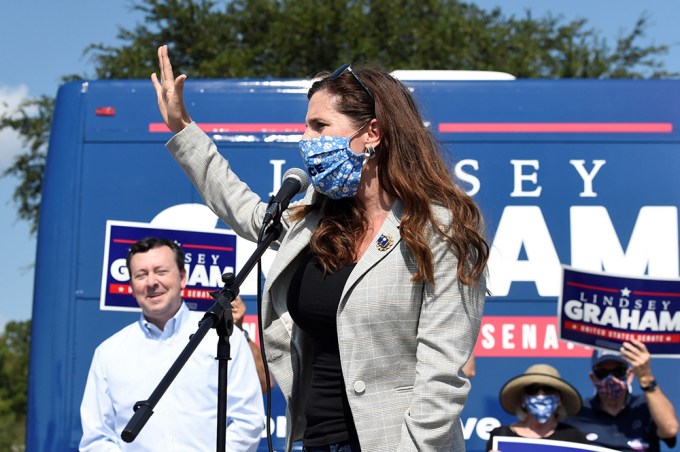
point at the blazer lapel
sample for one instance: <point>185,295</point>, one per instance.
<point>295,240</point>
<point>385,242</point>
<point>293,243</point>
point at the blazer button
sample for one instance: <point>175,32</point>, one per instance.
<point>359,387</point>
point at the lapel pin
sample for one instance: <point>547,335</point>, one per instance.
<point>384,242</point>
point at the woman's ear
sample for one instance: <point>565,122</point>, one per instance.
<point>373,134</point>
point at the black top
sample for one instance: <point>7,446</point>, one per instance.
<point>631,429</point>
<point>563,432</point>
<point>313,300</point>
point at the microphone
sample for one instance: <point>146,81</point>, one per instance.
<point>295,181</point>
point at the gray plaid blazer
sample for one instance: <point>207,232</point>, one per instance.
<point>402,344</point>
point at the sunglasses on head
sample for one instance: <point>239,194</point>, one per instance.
<point>348,67</point>
<point>618,372</point>
<point>535,389</point>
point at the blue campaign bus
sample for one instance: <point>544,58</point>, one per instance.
<point>567,172</point>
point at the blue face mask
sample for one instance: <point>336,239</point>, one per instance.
<point>334,169</point>
<point>541,407</point>
<point>610,387</point>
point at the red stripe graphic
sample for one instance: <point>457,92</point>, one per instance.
<point>633,292</point>
<point>192,294</point>
<point>451,127</point>
<point>196,294</point>
<point>207,247</point>
<point>120,289</point>
<point>656,294</point>
<point>591,330</point>
<point>556,127</point>
<point>226,127</point>
<point>185,245</point>
<point>588,286</point>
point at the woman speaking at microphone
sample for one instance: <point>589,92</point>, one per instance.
<point>374,301</point>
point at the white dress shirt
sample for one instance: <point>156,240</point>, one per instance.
<point>128,366</point>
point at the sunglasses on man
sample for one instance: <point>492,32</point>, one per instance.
<point>618,372</point>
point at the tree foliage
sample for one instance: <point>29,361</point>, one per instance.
<point>31,121</point>
<point>14,348</point>
<point>297,38</point>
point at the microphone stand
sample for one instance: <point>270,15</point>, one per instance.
<point>218,316</point>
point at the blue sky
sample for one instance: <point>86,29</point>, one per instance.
<point>43,40</point>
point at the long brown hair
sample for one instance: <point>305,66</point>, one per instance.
<point>410,168</point>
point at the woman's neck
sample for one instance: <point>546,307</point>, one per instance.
<point>530,427</point>
<point>376,204</point>
<point>373,199</point>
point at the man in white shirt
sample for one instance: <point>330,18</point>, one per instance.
<point>128,366</point>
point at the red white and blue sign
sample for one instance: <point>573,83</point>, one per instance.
<point>604,310</point>
<point>207,255</point>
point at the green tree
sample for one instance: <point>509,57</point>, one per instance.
<point>14,348</point>
<point>32,121</point>
<point>297,38</point>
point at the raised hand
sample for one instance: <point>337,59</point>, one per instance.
<point>661,409</point>
<point>170,93</point>
<point>636,353</point>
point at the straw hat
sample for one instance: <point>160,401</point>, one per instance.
<point>541,374</point>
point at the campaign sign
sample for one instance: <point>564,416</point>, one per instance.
<point>518,444</point>
<point>207,255</point>
<point>604,310</point>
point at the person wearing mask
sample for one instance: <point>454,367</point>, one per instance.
<point>375,297</point>
<point>127,367</point>
<point>615,417</point>
<point>541,400</point>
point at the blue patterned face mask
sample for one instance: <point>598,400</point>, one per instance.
<point>610,387</point>
<point>542,407</point>
<point>335,170</point>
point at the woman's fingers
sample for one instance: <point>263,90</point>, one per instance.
<point>165,65</point>
<point>170,93</point>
